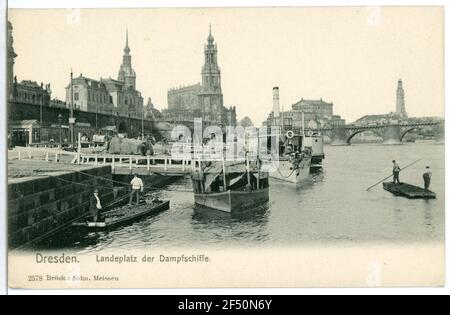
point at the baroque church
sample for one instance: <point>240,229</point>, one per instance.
<point>118,97</point>
<point>203,100</point>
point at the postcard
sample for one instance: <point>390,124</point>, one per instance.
<point>225,147</point>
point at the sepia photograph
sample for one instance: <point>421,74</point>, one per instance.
<point>225,147</point>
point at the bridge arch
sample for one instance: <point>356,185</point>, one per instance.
<point>349,139</point>
<point>403,134</point>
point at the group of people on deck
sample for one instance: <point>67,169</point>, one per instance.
<point>426,175</point>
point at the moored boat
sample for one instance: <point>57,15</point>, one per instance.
<point>124,215</point>
<point>301,154</point>
<point>230,187</point>
<point>293,169</point>
<point>314,142</point>
<point>233,200</point>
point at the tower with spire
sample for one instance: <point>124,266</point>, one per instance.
<point>202,100</point>
<point>126,72</point>
<point>11,56</point>
<point>400,109</point>
<point>211,98</point>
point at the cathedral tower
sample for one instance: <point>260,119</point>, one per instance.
<point>126,72</point>
<point>211,98</point>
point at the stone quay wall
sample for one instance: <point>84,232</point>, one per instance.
<point>40,206</point>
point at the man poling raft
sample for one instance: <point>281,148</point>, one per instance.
<point>427,178</point>
<point>396,172</point>
<point>403,189</point>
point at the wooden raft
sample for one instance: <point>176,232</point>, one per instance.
<point>408,191</point>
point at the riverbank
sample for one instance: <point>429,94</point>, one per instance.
<point>44,197</point>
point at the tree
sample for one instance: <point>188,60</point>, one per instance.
<point>246,122</point>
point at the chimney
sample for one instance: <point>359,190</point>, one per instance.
<point>276,102</point>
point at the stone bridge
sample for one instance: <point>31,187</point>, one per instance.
<point>391,133</point>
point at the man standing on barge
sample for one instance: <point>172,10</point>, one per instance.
<point>396,172</point>
<point>427,178</point>
<point>137,186</point>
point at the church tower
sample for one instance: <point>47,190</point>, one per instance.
<point>126,72</point>
<point>211,98</point>
<point>400,107</point>
<point>11,56</point>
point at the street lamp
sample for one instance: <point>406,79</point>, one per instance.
<point>60,121</point>
<point>142,124</point>
<point>41,101</point>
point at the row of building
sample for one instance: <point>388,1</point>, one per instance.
<point>313,113</point>
<point>316,114</point>
<point>110,96</point>
<point>121,97</point>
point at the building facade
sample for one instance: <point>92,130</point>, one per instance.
<point>315,113</point>
<point>88,95</point>
<point>30,92</point>
<point>314,109</point>
<point>203,100</point>
<point>184,103</point>
<point>118,97</point>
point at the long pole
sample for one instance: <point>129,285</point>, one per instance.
<point>142,125</point>
<point>303,124</point>
<point>249,182</point>
<point>247,160</point>
<point>79,149</point>
<point>258,165</point>
<point>40,121</point>
<point>60,141</point>
<point>224,174</point>
<point>392,175</point>
<point>71,108</point>
<point>303,132</point>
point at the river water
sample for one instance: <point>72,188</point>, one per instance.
<point>332,208</point>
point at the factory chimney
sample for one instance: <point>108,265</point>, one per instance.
<point>276,102</point>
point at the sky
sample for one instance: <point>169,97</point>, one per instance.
<point>351,56</point>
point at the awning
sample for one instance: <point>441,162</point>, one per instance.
<point>23,124</point>
<point>210,178</point>
<point>236,179</point>
<point>110,128</point>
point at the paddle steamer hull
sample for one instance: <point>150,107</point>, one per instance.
<point>285,171</point>
<point>233,201</point>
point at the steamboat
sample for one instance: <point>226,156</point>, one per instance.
<point>232,187</point>
<point>299,155</point>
